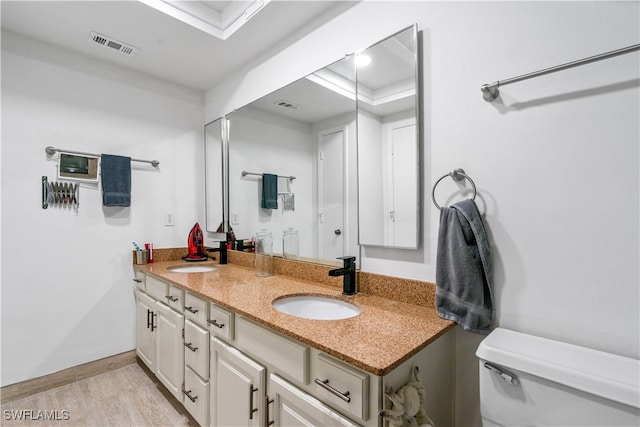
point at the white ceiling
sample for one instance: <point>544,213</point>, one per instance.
<point>169,48</point>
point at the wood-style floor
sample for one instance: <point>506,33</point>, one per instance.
<point>128,396</point>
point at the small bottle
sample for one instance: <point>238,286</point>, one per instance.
<point>264,253</point>
<point>290,243</point>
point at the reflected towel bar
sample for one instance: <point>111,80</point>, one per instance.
<point>245,173</point>
<point>491,92</point>
<point>51,151</point>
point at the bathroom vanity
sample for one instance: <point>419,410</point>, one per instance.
<point>218,345</point>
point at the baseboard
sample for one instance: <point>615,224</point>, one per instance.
<point>17,391</point>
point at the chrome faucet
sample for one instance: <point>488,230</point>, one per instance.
<point>348,273</point>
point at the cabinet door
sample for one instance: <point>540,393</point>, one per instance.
<point>146,321</point>
<point>238,386</point>
<point>170,349</point>
<point>292,407</point>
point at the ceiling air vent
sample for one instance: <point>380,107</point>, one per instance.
<point>106,41</point>
<point>287,104</point>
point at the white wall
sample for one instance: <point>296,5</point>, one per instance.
<point>67,295</point>
<point>555,160</point>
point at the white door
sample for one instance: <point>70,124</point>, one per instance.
<point>293,407</point>
<point>146,321</point>
<point>402,182</point>
<point>331,194</point>
<point>170,349</point>
<point>238,387</point>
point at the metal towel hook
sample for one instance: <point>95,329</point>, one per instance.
<point>457,175</point>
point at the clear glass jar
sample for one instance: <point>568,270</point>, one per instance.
<point>264,253</point>
<point>290,243</point>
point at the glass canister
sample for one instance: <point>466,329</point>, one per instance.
<point>290,243</point>
<point>264,253</point>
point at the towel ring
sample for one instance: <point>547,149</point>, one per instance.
<point>457,175</point>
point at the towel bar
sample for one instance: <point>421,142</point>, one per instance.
<point>456,175</point>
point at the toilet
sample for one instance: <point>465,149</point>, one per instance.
<point>527,380</point>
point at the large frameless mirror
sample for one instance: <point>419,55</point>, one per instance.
<point>344,176</point>
<point>388,142</point>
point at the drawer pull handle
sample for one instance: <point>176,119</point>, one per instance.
<point>172,298</point>
<point>216,324</point>
<point>268,401</point>
<point>252,410</point>
<point>325,385</point>
<point>191,310</point>
<point>188,394</point>
<point>190,347</point>
<point>137,280</point>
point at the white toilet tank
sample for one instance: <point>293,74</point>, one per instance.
<point>527,380</point>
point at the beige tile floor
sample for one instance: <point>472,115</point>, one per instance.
<point>127,396</point>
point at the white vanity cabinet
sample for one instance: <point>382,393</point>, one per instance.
<point>238,388</point>
<point>146,323</point>
<point>228,370</point>
<point>170,351</point>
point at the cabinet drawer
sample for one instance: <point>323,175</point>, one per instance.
<point>157,289</point>
<point>344,386</point>
<point>221,322</point>
<point>196,348</point>
<point>195,309</point>
<point>139,279</point>
<point>289,357</point>
<point>175,298</point>
<point>196,396</point>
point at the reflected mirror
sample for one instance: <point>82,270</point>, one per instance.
<point>214,176</point>
<point>304,137</point>
<point>388,142</point>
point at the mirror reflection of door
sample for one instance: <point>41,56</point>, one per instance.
<point>332,209</point>
<point>401,151</point>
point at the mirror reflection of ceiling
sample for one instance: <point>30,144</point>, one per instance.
<point>394,90</point>
<point>308,100</point>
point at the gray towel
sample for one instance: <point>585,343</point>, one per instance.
<point>464,269</point>
<point>269,191</point>
<point>115,172</point>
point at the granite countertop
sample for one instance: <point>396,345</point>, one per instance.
<point>385,334</point>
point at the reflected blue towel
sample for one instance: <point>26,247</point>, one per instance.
<point>115,172</point>
<point>464,269</point>
<point>269,191</point>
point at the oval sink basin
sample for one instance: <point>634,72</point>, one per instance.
<point>316,307</point>
<point>192,268</point>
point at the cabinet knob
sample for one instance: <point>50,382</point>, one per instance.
<point>191,310</point>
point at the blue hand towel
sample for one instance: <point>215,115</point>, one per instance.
<point>464,269</point>
<point>115,172</point>
<point>269,191</point>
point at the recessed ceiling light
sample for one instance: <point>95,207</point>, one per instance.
<point>362,60</point>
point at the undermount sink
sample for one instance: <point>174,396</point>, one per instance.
<point>316,307</point>
<point>191,268</point>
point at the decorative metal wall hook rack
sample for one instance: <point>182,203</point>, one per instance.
<point>490,91</point>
